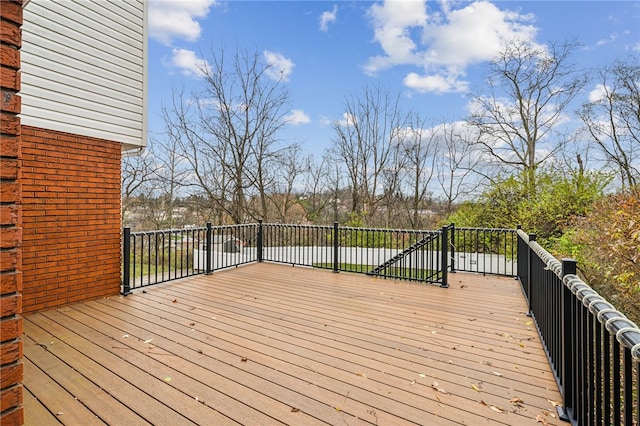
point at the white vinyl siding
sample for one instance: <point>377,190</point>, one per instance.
<point>84,68</point>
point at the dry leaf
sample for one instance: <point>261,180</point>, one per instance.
<point>437,387</point>
<point>338,408</point>
<point>555,403</point>
<point>167,379</point>
<point>522,345</point>
<point>243,359</point>
<point>475,388</point>
<point>541,419</point>
<point>59,413</point>
<point>497,409</point>
<point>148,340</point>
<point>422,375</point>
<point>362,375</point>
<point>124,336</point>
<point>497,374</point>
<point>294,409</point>
<point>518,402</point>
<point>191,324</point>
<point>174,301</point>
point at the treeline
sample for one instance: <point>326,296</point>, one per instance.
<point>221,156</point>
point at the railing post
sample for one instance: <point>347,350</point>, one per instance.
<point>453,247</point>
<point>569,267</point>
<point>445,256</point>
<point>336,248</point>
<point>126,261</point>
<point>532,237</point>
<point>208,249</point>
<point>260,240</point>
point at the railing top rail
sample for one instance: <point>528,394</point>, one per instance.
<point>406,231</point>
<point>166,231</point>
<point>298,225</point>
<point>466,228</point>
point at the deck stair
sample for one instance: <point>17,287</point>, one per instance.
<point>378,270</point>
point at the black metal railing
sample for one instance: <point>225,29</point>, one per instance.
<point>593,349</point>
<point>155,257</point>
<point>361,250</point>
<point>484,250</point>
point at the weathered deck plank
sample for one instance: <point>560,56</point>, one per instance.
<point>273,344</point>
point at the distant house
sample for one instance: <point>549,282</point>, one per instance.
<point>73,100</point>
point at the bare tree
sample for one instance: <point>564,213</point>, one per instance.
<point>529,88</point>
<point>364,141</point>
<point>612,118</point>
<point>228,132</point>
<point>420,149</point>
<point>139,172</point>
<point>457,163</point>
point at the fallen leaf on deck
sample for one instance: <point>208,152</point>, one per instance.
<point>124,336</point>
<point>243,359</point>
<point>59,413</point>
<point>361,375</point>
<point>191,324</point>
<point>518,402</point>
<point>294,409</point>
<point>167,379</point>
<point>413,382</point>
<point>338,408</point>
<point>497,374</point>
<point>529,323</point>
<point>540,419</point>
<point>548,413</point>
<point>437,387</point>
<point>422,375</point>
<point>555,403</point>
<point>148,341</point>
<point>174,301</point>
<point>497,409</point>
<point>522,345</point>
<point>475,388</point>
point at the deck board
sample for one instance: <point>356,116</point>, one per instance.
<point>275,344</point>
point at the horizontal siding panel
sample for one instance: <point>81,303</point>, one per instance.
<point>57,83</point>
<point>83,108</point>
<point>54,120</point>
<point>84,66</point>
<point>56,38</point>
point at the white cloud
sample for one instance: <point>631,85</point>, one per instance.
<point>444,83</point>
<point>598,93</point>
<point>297,116</point>
<point>188,63</point>
<point>280,68</point>
<point>442,44</point>
<point>177,19</point>
<point>328,17</point>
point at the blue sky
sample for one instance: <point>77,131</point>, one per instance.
<point>432,53</point>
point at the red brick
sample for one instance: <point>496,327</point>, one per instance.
<point>8,168</point>
<point>9,101</point>
<point>10,33</point>
<point>10,329</point>
<point>10,375</point>
<point>9,260</point>
<point>10,192</point>
<point>10,282</point>
<point>10,56</point>
<point>11,351</point>
<point>9,215</point>
<point>9,124</point>
<point>9,146</point>
<point>9,78</point>
<point>11,11</point>
<point>10,398</point>
<point>14,417</point>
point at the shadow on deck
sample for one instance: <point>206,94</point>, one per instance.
<point>273,344</point>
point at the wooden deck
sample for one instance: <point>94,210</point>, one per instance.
<point>273,344</point>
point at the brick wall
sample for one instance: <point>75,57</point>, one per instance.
<point>11,369</point>
<point>71,218</point>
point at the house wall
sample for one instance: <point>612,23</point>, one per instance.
<point>84,68</point>
<point>71,218</point>
<point>11,367</point>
